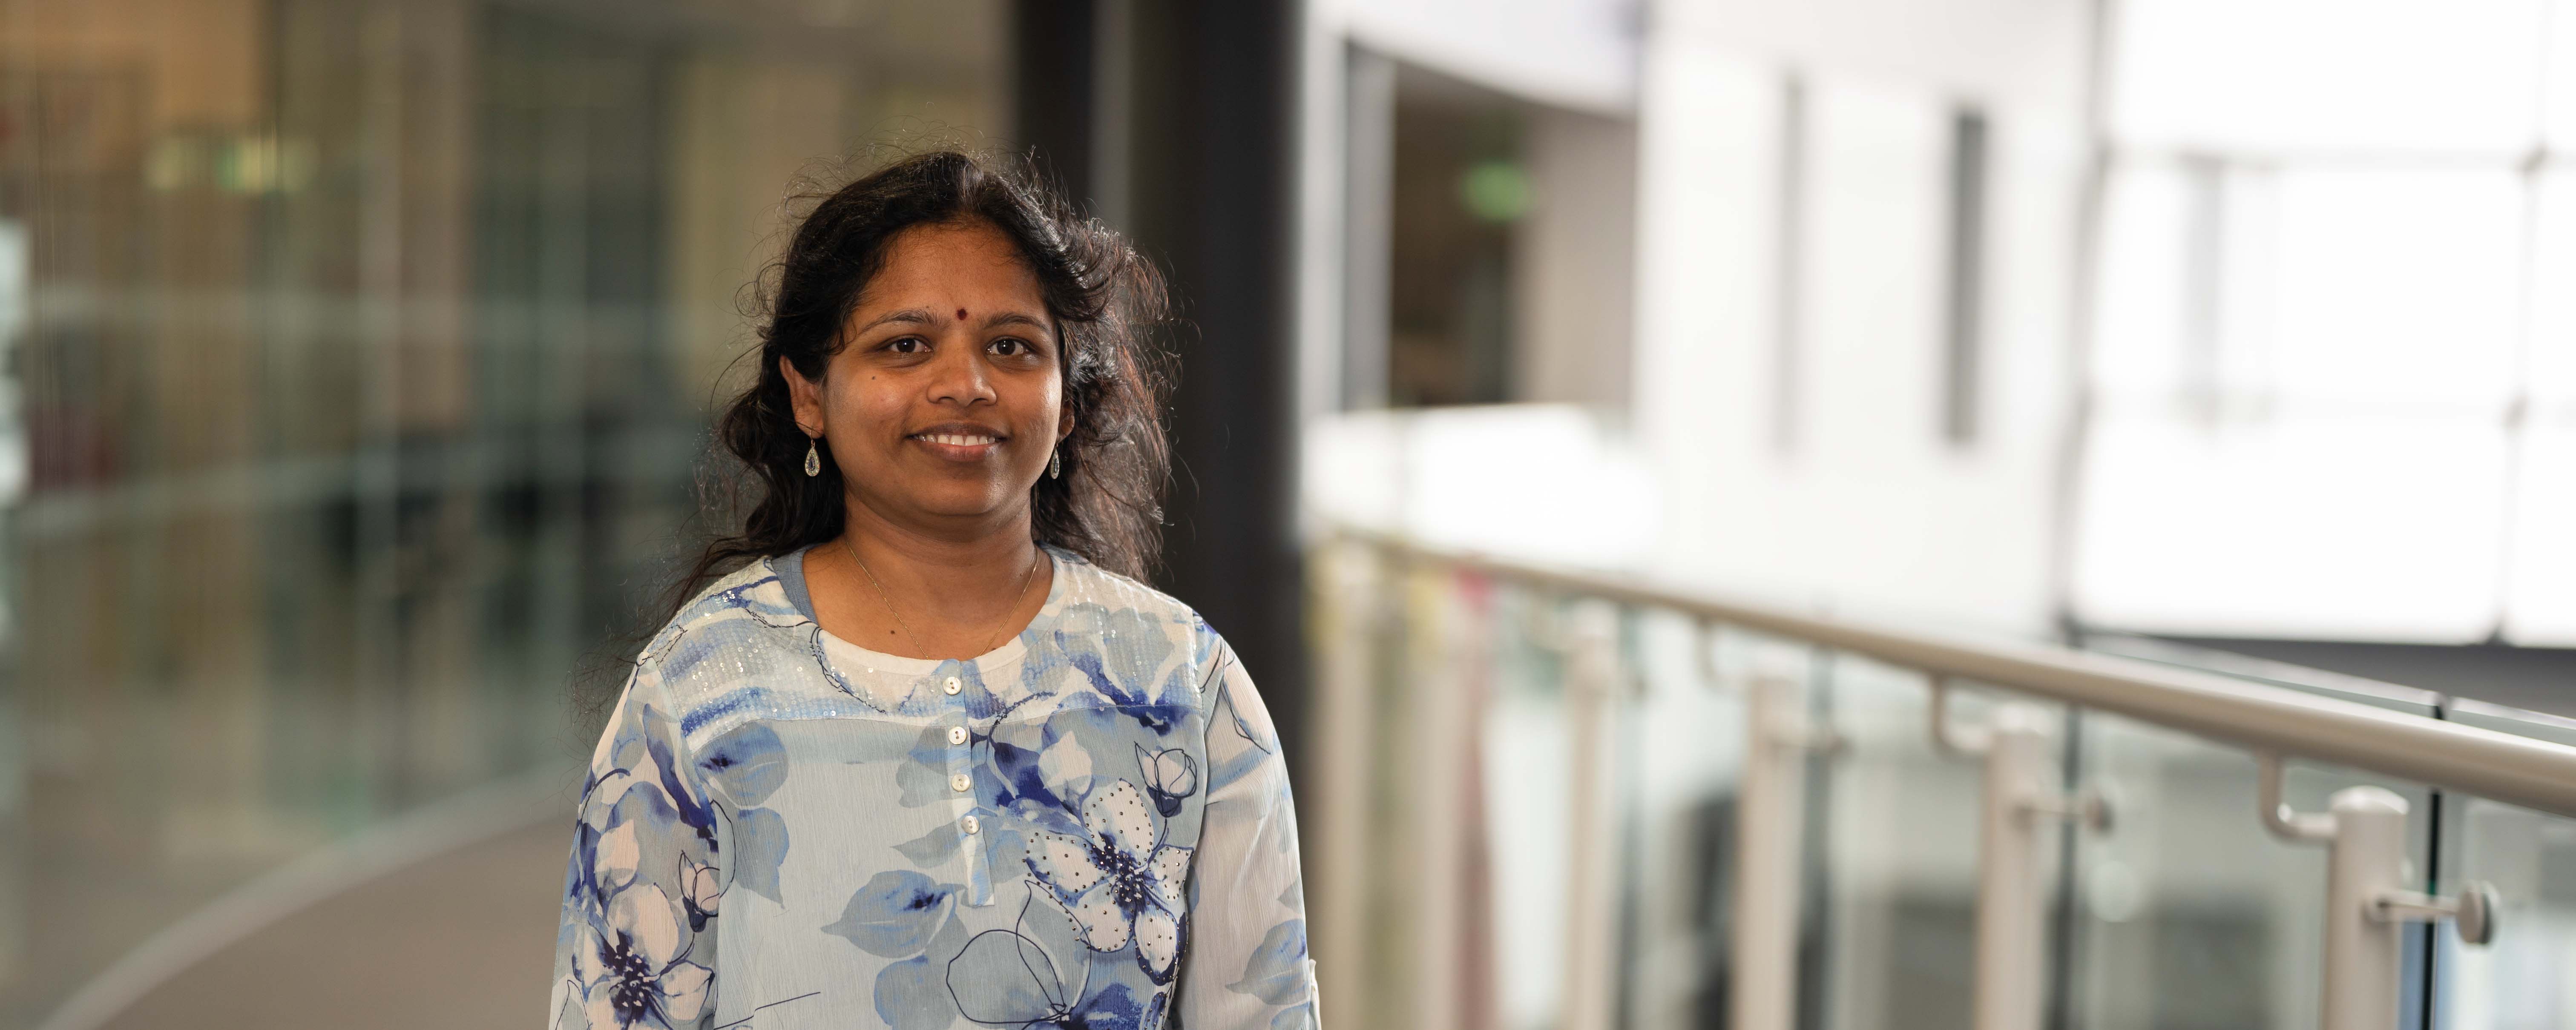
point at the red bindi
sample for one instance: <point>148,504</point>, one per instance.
<point>961,314</point>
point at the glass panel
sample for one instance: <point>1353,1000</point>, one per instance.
<point>2526,979</point>
<point>357,355</point>
<point>2188,912</point>
<point>1471,827</point>
<point>1682,745</point>
<point>1527,759</point>
<point>1465,830</point>
<point>1896,890</point>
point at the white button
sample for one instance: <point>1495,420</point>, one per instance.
<point>954,684</point>
<point>960,782</point>
<point>969,825</point>
<point>957,734</point>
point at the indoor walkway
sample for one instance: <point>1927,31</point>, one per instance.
<point>464,938</point>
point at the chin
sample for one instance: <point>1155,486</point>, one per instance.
<point>966,501</point>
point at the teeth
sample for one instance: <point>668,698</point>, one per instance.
<point>957,439</point>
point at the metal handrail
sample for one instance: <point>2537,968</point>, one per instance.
<point>2263,719</point>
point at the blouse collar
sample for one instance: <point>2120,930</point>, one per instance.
<point>895,683</point>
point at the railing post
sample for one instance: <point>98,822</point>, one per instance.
<point>1769,831</point>
<point>1592,695</point>
<point>1442,655</point>
<point>2367,862</point>
<point>1347,616</point>
<point>2367,903</point>
<point>2021,795</point>
<point>2012,913</point>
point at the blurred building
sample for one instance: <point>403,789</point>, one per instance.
<point>2168,317</point>
<point>2153,326</point>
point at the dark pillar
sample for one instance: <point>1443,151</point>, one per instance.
<point>1053,56</point>
<point>1212,197</point>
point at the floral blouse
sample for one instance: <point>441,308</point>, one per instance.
<point>1088,827</point>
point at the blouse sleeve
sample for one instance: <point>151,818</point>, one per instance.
<point>1246,965</point>
<point>637,942</point>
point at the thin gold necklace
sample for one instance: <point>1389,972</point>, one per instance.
<point>888,599</point>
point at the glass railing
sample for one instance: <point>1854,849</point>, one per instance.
<point>2192,913</point>
<point>1627,851</point>
<point>2527,978</point>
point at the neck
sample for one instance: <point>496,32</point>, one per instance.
<point>947,572</point>
<point>952,548</point>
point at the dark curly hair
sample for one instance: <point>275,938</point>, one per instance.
<point>1108,304</point>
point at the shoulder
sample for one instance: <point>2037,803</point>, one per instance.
<point>1144,628</point>
<point>746,608</point>
<point>1086,583</point>
<point>1088,586</point>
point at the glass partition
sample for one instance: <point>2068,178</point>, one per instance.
<point>2189,912</point>
<point>2180,909</point>
<point>1681,749</point>
<point>2523,980</point>
<point>1897,871</point>
<point>358,357</point>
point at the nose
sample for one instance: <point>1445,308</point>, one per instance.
<point>958,376</point>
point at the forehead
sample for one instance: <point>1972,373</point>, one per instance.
<point>948,263</point>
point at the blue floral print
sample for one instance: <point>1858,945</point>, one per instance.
<point>1171,776</point>
<point>1119,884</point>
<point>1277,972</point>
<point>1088,827</point>
<point>895,914</point>
<point>634,971</point>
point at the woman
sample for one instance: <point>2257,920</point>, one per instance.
<point>928,755</point>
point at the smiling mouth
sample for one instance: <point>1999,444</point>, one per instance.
<point>958,439</point>
<point>965,444</point>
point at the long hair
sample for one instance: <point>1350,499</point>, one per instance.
<point>1108,304</point>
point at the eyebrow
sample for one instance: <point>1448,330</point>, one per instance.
<point>916,316</point>
<point>922,316</point>
<point>1015,318</point>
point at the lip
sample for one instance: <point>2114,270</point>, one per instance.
<point>959,441</point>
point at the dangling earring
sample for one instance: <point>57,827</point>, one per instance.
<point>1055,464</point>
<point>813,459</point>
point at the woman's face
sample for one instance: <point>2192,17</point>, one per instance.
<point>946,397</point>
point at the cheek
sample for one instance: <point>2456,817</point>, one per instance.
<point>865,406</point>
<point>1047,411</point>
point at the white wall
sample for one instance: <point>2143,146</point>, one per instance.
<point>1868,506</point>
<point>1873,508</point>
<point>1574,261</point>
<point>2028,53</point>
<point>1578,54</point>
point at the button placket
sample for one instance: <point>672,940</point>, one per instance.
<point>961,782</point>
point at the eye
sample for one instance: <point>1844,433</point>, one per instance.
<point>1009,346</point>
<point>906,345</point>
